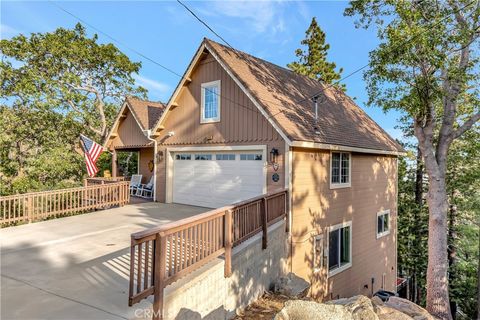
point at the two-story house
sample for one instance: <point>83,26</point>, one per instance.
<point>237,126</point>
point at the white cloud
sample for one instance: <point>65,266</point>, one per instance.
<point>152,85</point>
<point>260,16</point>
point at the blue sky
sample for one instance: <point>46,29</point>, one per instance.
<point>165,32</point>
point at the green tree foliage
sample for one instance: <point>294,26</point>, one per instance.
<point>70,73</point>
<point>312,61</point>
<point>127,163</point>
<point>412,230</point>
<point>37,150</point>
<point>427,67</point>
<point>54,86</point>
<point>464,221</point>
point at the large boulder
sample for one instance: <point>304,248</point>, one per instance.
<point>386,313</point>
<point>310,310</point>
<point>360,307</point>
<point>291,286</point>
<point>409,308</point>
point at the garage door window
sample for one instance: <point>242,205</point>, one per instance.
<point>225,156</point>
<point>250,156</point>
<point>183,157</point>
<point>203,157</point>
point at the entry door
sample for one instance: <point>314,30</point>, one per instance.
<point>216,179</point>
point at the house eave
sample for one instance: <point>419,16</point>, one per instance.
<point>326,146</point>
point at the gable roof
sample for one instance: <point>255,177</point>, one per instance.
<point>285,96</point>
<point>145,112</point>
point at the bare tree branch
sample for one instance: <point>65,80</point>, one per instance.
<point>466,125</point>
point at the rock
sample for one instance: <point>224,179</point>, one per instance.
<point>360,307</point>
<point>386,313</point>
<point>376,301</point>
<point>309,310</point>
<point>409,308</point>
<point>291,286</point>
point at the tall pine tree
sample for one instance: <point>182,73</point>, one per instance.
<point>312,61</point>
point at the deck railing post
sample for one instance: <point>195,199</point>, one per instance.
<point>228,243</point>
<point>132,272</point>
<point>263,208</point>
<point>29,209</point>
<point>160,270</point>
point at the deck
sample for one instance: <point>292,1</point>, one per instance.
<point>77,267</point>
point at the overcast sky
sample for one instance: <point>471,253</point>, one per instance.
<point>165,32</point>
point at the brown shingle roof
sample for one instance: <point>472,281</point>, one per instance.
<point>285,94</point>
<point>146,112</point>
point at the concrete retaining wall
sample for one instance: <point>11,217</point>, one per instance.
<point>207,294</point>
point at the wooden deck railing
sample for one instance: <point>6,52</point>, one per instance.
<point>160,256</point>
<point>37,206</point>
<point>103,180</point>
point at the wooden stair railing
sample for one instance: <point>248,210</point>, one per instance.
<point>162,255</point>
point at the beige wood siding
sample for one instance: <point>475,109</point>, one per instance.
<point>145,156</point>
<point>315,207</point>
<point>241,123</point>
<point>129,133</point>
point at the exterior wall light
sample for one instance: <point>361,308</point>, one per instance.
<point>273,155</point>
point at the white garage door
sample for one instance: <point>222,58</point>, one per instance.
<point>216,179</point>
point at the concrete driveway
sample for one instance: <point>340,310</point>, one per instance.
<point>76,267</point>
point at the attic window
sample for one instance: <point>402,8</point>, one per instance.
<point>210,111</point>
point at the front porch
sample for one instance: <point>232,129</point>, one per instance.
<point>129,161</point>
<point>77,267</point>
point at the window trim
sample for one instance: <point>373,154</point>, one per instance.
<point>384,233</point>
<point>315,238</point>
<point>202,102</point>
<point>339,184</point>
<point>333,272</point>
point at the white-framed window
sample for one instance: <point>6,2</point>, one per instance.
<point>203,157</point>
<point>183,156</point>
<point>250,156</point>
<point>383,223</point>
<point>225,156</point>
<point>210,110</point>
<point>340,169</point>
<point>317,253</point>
<point>339,248</point>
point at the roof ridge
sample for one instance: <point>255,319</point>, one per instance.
<point>146,100</point>
<point>266,61</point>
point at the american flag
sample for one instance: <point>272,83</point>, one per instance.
<point>92,151</point>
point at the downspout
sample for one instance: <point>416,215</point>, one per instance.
<point>148,133</point>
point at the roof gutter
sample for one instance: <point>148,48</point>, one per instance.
<point>148,135</point>
<point>315,145</point>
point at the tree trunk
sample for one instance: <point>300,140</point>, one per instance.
<point>419,179</point>
<point>417,214</point>
<point>438,303</point>
<point>478,280</point>
<point>452,236</point>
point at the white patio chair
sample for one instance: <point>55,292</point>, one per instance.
<point>135,183</point>
<point>145,189</point>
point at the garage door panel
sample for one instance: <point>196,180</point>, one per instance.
<point>215,183</point>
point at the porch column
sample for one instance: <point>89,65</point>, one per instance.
<point>114,163</point>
